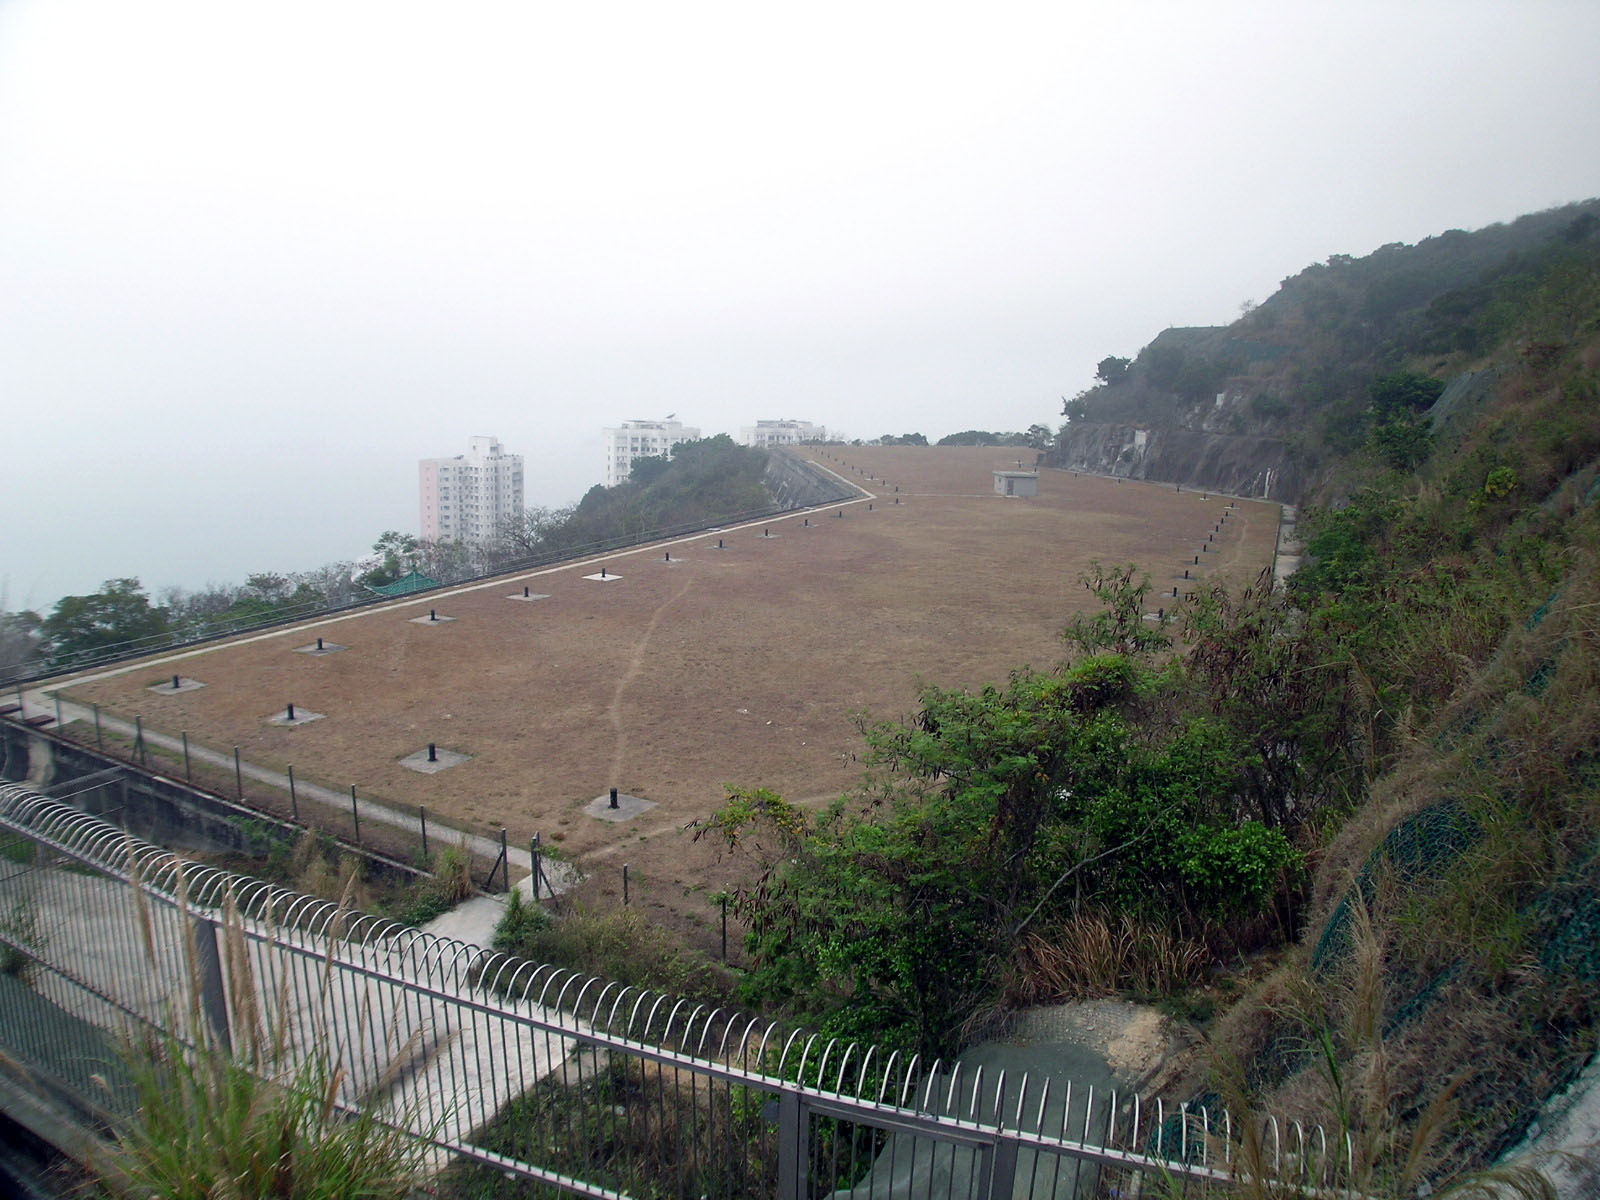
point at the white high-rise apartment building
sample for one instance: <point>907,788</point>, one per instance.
<point>641,439</point>
<point>464,498</point>
<point>781,433</point>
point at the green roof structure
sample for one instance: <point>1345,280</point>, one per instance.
<point>415,581</point>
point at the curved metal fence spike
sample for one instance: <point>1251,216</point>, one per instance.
<point>800,1075</point>
<point>822,1066</point>
<point>1161,1126</point>
<point>844,1065</point>
<point>784,1057</point>
<point>1183,1131</point>
<point>1277,1158</point>
<point>951,1092</point>
<point>1044,1104</point>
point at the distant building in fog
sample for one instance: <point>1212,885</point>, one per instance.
<point>465,498</point>
<point>642,439</point>
<point>781,433</point>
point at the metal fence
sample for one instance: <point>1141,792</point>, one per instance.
<point>528,1079</point>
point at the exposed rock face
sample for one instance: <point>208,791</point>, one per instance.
<point>1233,464</point>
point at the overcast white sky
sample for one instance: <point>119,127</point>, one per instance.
<point>256,259</point>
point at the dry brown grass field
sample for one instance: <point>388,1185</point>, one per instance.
<point>742,665</point>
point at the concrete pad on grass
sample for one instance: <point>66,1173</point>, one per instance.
<point>302,716</point>
<point>185,684</point>
<point>627,807</point>
<point>431,620</point>
<point>608,577</point>
<point>314,649</point>
<point>441,760</point>
<point>531,596</point>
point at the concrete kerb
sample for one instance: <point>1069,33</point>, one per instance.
<point>434,598</point>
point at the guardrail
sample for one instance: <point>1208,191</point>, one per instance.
<point>513,1069</point>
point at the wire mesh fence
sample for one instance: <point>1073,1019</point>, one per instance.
<point>526,1079</point>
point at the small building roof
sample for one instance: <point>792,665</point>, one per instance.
<point>414,581</point>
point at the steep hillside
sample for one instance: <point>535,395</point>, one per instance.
<point>1350,825</point>
<point>1264,406</point>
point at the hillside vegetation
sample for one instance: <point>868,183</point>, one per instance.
<point>1349,825</point>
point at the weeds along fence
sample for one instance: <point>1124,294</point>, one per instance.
<point>525,1079</point>
<point>198,633</point>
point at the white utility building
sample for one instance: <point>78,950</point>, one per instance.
<point>466,497</point>
<point>781,433</point>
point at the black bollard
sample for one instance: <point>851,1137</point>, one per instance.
<point>433,614</point>
<point>602,572</point>
<point>319,643</point>
<point>433,753</point>
<point>869,507</point>
<point>613,797</point>
<point>808,522</point>
<point>1161,614</point>
<point>1175,586</point>
<point>719,543</point>
<point>1185,575</point>
<point>174,683</point>
<point>291,712</point>
<point>668,557</point>
<point>525,591</point>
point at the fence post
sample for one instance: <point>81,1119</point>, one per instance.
<point>294,800</point>
<point>138,738</point>
<point>188,771</point>
<point>504,857</point>
<point>355,813</point>
<point>238,774</point>
<point>724,929</point>
<point>533,849</point>
<point>422,817</point>
<point>99,739</point>
<point>213,997</point>
<point>791,1147</point>
<point>624,885</point>
<point>58,710</point>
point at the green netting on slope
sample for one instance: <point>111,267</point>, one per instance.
<point>1543,611</point>
<point>1420,1001</point>
<point>1419,846</point>
<point>1568,916</point>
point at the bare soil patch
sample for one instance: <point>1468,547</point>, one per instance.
<point>742,665</point>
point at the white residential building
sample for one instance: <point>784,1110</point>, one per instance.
<point>642,439</point>
<point>781,433</point>
<point>465,498</point>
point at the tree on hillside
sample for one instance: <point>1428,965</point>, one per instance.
<point>118,615</point>
<point>1039,437</point>
<point>535,530</point>
<point>399,551</point>
<point>1112,370</point>
<point>21,640</point>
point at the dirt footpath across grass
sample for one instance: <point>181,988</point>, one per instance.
<point>738,664</point>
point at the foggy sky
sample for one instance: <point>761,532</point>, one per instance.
<point>257,260</point>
